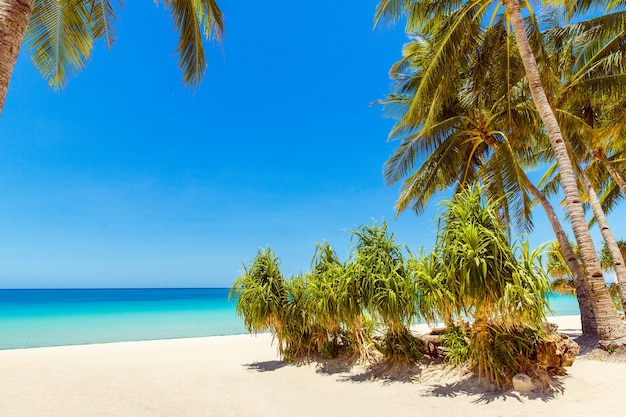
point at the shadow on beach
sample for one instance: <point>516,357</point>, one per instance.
<point>266,366</point>
<point>486,394</point>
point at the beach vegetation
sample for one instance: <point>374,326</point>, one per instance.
<point>381,276</point>
<point>264,296</point>
<point>497,285</point>
<point>561,281</point>
<point>455,33</point>
<point>489,291</point>
<point>456,343</point>
<point>61,35</point>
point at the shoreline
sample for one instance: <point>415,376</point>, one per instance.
<point>572,323</point>
<point>241,375</point>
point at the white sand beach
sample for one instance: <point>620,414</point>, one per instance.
<point>242,376</point>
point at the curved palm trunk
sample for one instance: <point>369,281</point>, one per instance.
<point>14,17</point>
<point>609,325</point>
<point>601,156</point>
<point>587,317</point>
<point>607,235</point>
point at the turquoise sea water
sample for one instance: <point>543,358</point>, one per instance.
<point>36,318</point>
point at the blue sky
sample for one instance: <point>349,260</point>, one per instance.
<point>127,179</point>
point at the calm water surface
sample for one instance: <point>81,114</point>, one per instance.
<point>36,318</point>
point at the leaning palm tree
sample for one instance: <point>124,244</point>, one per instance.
<point>476,126</point>
<point>61,35</point>
<point>561,281</point>
<point>420,14</point>
<point>587,56</point>
<point>561,277</point>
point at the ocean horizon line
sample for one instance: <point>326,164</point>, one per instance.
<point>113,288</point>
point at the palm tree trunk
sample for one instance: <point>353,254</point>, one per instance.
<point>607,235</point>
<point>582,293</point>
<point>609,325</point>
<point>14,17</point>
<point>587,317</point>
<point>612,171</point>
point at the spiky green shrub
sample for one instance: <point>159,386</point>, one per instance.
<point>401,347</point>
<point>476,273</point>
<point>268,302</point>
<point>387,290</point>
<point>325,302</point>
<point>498,353</point>
<point>261,294</point>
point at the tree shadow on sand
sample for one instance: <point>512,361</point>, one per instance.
<point>485,393</point>
<point>349,371</point>
<point>266,366</point>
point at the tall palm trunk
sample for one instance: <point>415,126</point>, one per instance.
<point>14,17</point>
<point>608,323</point>
<point>607,235</point>
<point>587,317</point>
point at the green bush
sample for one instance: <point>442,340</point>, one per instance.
<point>456,341</point>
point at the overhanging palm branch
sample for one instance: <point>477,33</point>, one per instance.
<point>60,37</point>
<point>61,34</point>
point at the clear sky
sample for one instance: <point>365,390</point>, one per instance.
<point>127,179</point>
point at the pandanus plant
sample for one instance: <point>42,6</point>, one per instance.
<point>476,274</point>
<point>387,291</point>
<point>262,296</point>
<point>327,303</point>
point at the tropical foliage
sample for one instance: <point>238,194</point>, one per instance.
<point>61,35</point>
<point>480,276</point>
<point>561,281</point>
<point>368,304</point>
<point>481,94</point>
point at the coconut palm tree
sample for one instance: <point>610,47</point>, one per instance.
<point>421,14</point>
<point>61,35</point>
<point>562,282</point>
<point>468,131</point>
<point>587,57</point>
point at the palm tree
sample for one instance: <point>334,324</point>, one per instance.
<point>562,282</point>
<point>61,35</point>
<point>424,13</point>
<point>557,269</point>
<point>471,128</point>
<point>14,17</point>
<point>589,64</point>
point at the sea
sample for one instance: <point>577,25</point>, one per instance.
<point>55,317</point>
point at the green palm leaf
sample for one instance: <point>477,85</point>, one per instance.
<point>60,38</point>
<point>103,19</point>
<point>195,20</point>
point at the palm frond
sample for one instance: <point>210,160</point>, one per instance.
<point>59,37</point>
<point>195,20</point>
<point>103,18</point>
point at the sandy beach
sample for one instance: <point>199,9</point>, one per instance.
<point>242,376</point>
